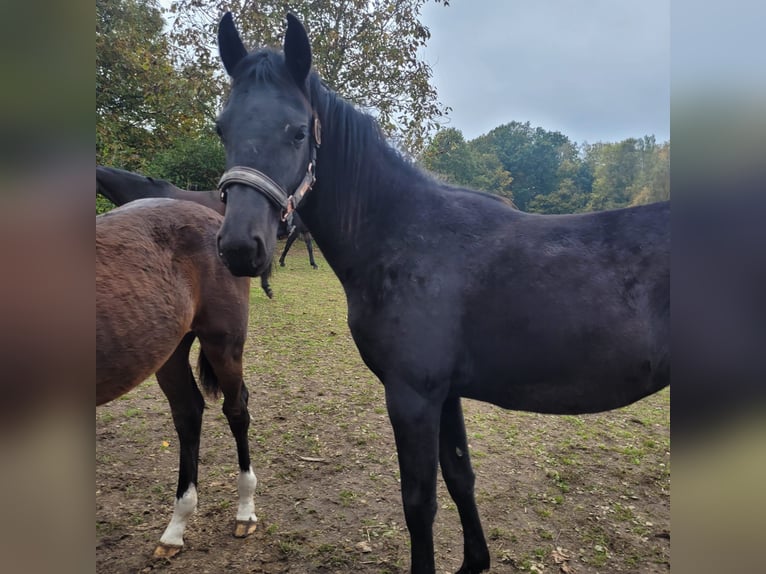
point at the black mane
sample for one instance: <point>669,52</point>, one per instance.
<point>370,179</point>
<point>369,157</point>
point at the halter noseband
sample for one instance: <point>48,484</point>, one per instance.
<point>267,187</point>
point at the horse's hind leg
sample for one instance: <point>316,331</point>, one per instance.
<point>186,403</point>
<point>290,240</point>
<point>224,362</point>
<point>459,476</point>
<point>266,286</point>
<point>310,248</point>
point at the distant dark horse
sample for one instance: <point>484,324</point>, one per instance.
<point>553,314</point>
<point>160,285</point>
<point>298,229</point>
<point>120,187</point>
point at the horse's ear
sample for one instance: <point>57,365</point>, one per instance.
<point>297,50</point>
<point>230,45</point>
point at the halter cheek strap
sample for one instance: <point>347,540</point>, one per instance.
<point>266,186</point>
<point>305,185</point>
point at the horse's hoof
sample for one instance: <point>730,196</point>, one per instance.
<point>245,528</point>
<point>167,550</point>
<point>281,263</point>
<point>481,565</point>
<point>315,266</point>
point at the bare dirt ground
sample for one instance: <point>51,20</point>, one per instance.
<point>585,494</point>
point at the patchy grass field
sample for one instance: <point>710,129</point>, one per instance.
<point>581,494</point>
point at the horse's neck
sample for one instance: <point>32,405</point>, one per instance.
<point>123,189</point>
<point>355,203</point>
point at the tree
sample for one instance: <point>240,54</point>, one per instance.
<point>654,182</point>
<point>533,156</point>
<point>366,51</point>
<point>447,155</point>
<point>568,198</point>
<point>143,101</point>
<point>458,162</point>
<point>628,172</point>
<point>191,163</point>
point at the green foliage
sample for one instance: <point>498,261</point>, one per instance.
<point>615,167</point>
<point>566,198</point>
<point>103,205</point>
<point>544,172</point>
<point>366,51</point>
<point>143,100</point>
<point>655,182</point>
<point>458,162</point>
<point>194,163</point>
<point>449,156</point>
<point>533,156</point>
<point>157,92</point>
<point>629,172</point>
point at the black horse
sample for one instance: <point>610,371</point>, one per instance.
<point>554,314</point>
<point>121,186</point>
<point>292,228</point>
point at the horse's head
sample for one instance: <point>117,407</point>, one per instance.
<point>268,130</point>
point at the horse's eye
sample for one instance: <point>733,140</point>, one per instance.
<point>300,135</point>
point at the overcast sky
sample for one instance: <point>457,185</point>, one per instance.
<point>595,70</point>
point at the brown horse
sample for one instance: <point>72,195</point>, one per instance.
<point>160,285</point>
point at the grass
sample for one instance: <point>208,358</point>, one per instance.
<point>347,497</point>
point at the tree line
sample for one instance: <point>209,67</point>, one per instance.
<point>159,86</point>
<point>545,172</point>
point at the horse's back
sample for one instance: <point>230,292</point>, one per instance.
<point>155,261</point>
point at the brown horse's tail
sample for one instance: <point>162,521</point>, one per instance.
<point>207,376</point>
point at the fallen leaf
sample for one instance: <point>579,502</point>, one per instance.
<point>363,546</point>
<point>560,555</point>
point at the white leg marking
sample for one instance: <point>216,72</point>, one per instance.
<point>184,507</point>
<point>246,484</point>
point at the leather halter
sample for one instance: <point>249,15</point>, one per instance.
<point>270,189</point>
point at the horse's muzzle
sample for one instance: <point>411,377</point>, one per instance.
<point>248,234</point>
<point>246,257</point>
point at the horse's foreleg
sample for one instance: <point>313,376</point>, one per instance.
<point>290,240</point>
<point>459,476</point>
<point>186,403</point>
<point>310,249</point>
<point>415,421</point>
